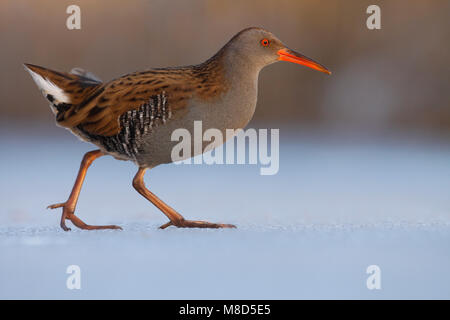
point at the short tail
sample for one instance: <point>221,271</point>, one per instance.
<point>63,90</point>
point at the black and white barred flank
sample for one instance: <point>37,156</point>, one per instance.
<point>134,125</point>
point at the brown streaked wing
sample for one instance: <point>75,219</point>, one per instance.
<point>99,114</point>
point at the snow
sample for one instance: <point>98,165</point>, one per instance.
<point>335,207</point>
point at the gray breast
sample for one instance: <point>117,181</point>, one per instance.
<point>232,111</point>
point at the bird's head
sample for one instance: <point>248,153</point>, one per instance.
<point>261,48</point>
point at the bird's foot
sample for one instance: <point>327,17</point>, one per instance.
<point>196,224</point>
<point>70,215</point>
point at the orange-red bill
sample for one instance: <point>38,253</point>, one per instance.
<point>295,57</point>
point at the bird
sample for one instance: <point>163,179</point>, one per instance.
<point>132,117</point>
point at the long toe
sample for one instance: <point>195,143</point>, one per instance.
<point>80,224</point>
<point>89,227</point>
<point>56,205</point>
<point>197,224</point>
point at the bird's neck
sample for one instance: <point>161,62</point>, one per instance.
<point>238,80</point>
<point>235,71</point>
<point>236,65</point>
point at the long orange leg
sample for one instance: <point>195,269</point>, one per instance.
<point>175,218</point>
<point>71,203</point>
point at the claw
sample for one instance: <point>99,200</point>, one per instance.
<point>66,228</point>
<point>63,226</point>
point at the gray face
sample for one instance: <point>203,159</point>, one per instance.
<point>257,46</point>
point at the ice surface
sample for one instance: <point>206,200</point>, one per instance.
<point>310,231</point>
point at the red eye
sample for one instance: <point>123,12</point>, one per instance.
<point>265,42</point>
